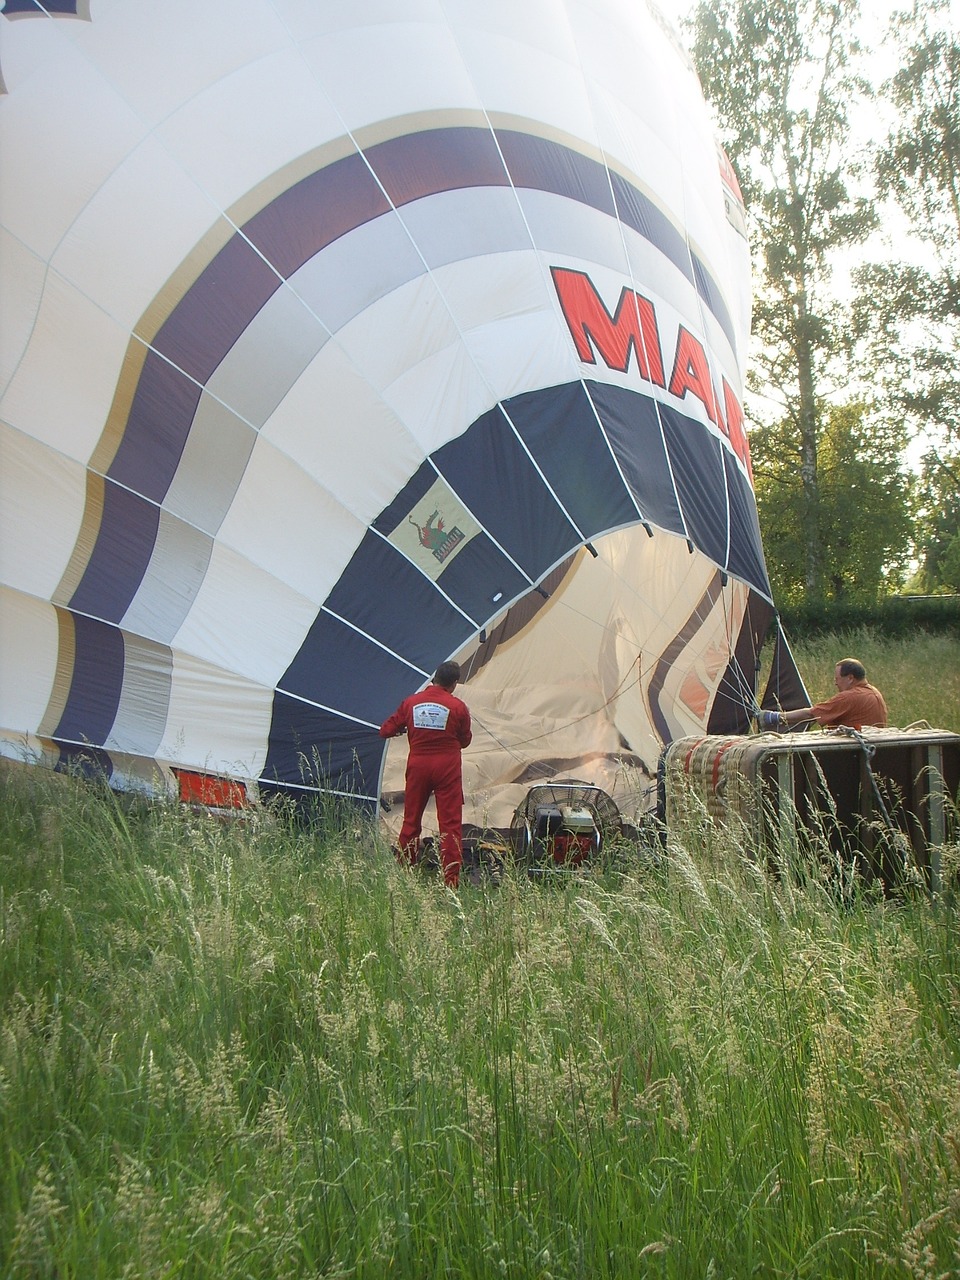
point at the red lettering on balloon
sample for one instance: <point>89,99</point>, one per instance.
<point>631,329</point>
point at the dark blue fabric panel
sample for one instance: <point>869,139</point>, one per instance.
<point>488,468</point>
<point>95,688</point>
<point>632,426</point>
<point>475,575</point>
<point>746,554</point>
<point>310,747</point>
<point>121,554</point>
<point>314,212</point>
<point>383,594</point>
<point>216,309</point>
<point>308,806</point>
<point>47,7</point>
<point>545,165</point>
<point>91,763</point>
<point>639,212</point>
<point>709,291</point>
<point>698,475</point>
<point>559,427</point>
<point>406,499</point>
<point>159,422</point>
<point>418,164</point>
<point>347,672</point>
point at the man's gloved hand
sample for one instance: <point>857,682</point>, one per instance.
<point>770,720</point>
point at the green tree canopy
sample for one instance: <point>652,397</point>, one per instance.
<point>909,312</point>
<point>938,523</point>
<point>865,505</point>
<point>780,75</point>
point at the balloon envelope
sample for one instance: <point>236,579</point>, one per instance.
<point>339,340</point>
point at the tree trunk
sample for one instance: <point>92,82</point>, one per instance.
<point>809,435</point>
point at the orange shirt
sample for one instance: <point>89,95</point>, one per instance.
<point>854,707</point>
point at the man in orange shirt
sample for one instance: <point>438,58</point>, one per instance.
<point>855,704</point>
<point>438,727</point>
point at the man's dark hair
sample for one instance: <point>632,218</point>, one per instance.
<point>448,675</point>
<point>852,667</point>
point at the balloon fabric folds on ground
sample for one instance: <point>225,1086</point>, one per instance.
<point>340,340</point>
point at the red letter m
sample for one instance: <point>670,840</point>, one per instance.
<point>632,329</point>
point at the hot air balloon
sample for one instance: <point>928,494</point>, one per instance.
<point>339,340</point>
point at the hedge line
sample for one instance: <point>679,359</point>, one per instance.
<point>894,617</point>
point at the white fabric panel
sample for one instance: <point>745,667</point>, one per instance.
<point>244,620</point>
<point>270,354</point>
<point>42,497</point>
<point>504,286</point>
<point>216,718</point>
<point>334,425</point>
<point>526,81</point>
<point>425,373</point>
<point>142,713</point>
<point>214,458</point>
<point>416,325</point>
<point>439,397</point>
<point>451,225</point>
<point>122,272</point>
<point>45,133</point>
<point>558,225</point>
<point>527,351</point>
<point>390,70</point>
<point>356,270</point>
<point>255,130</point>
<point>537,25</point>
<point>283,521</point>
<point>29,637</point>
<point>64,385</point>
<point>170,585</point>
<point>23,277</point>
<point>160,56</point>
<point>637,116</point>
<point>306,19</point>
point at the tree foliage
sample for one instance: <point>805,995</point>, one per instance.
<point>780,75</point>
<point>938,523</point>
<point>908,314</point>
<point>865,506</point>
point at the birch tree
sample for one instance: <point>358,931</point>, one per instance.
<point>781,78</point>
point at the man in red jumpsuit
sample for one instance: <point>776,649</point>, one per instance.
<point>438,727</point>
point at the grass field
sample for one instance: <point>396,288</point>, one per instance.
<point>254,1050</point>
<point>919,680</point>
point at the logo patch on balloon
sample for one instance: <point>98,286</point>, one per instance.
<point>435,530</point>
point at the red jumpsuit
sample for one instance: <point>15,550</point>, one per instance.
<point>437,725</point>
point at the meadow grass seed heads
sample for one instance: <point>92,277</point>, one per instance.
<point>33,1248</point>
<point>527,1000</point>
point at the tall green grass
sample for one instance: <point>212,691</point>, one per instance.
<point>252,1050</point>
<point>919,679</point>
